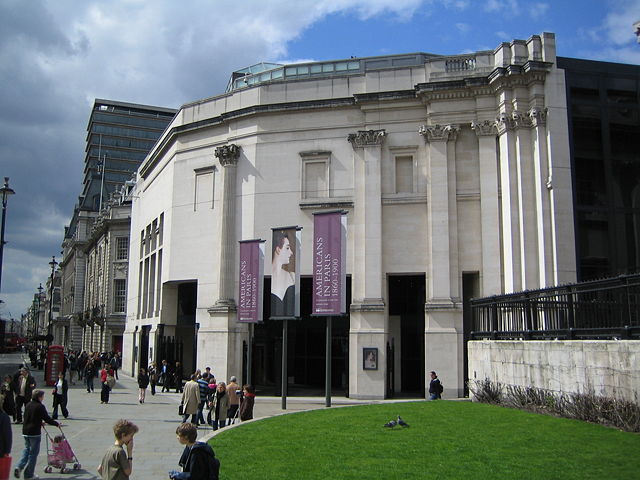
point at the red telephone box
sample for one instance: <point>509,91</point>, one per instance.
<point>55,364</point>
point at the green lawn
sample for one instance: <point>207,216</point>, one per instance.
<point>448,440</point>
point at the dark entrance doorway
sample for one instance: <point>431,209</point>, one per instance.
<point>470,289</point>
<point>306,349</point>
<point>406,303</point>
<point>186,326</point>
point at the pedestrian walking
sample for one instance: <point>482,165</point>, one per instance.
<point>89,374</point>
<point>234,399</point>
<point>204,396</point>
<point>435,387</point>
<point>143,383</point>
<point>117,462</point>
<point>165,376</point>
<point>60,397</point>
<point>73,367</point>
<point>6,435</point>
<point>177,377</point>
<point>108,381</point>
<point>23,385</point>
<point>219,406</point>
<point>247,402</point>
<point>9,401</point>
<point>153,377</point>
<point>115,364</point>
<point>198,461</point>
<point>34,414</point>
<point>191,400</point>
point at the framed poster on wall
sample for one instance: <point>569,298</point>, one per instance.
<point>369,358</point>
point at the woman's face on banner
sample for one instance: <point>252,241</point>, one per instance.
<point>284,252</point>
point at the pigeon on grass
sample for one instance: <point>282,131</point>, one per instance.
<point>401,422</point>
<point>390,424</point>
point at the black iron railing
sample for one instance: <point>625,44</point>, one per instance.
<point>599,309</point>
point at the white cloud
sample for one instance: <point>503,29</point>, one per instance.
<point>510,7</point>
<point>538,10</point>
<point>618,24</point>
<point>463,27</point>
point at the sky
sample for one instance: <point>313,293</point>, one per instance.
<point>57,56</point>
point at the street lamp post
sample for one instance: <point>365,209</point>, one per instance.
<point>53,264</point>
<point>5,191</point>
<point>36,327</point>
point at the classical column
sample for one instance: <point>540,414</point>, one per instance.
<point>219,333</point>
<point>489,207</point>
<point>443,316</point>
<point>510,234</point>
<point>228,157</point>
<point>368,325</point>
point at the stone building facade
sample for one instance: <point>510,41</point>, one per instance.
<point>455,175</point>
<point>107,255</point>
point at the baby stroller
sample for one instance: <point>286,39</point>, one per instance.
<point>59,453</point>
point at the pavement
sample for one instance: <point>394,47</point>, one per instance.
<point>156,450</point>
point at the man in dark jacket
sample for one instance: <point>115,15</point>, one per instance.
<point>198,461</point>
<point>23,385</point>
<point>34,414</point>
<point>435,387</point>
<point>6,435</point>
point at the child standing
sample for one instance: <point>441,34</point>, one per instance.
<point>117,462</point>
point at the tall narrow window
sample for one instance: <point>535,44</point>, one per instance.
<point>122,248</point>
<point>119,295</point>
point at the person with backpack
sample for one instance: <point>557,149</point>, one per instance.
<point>435,387</point>
<point>198,461</point>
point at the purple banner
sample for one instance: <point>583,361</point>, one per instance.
<point>329,266</point>
<point>251,281</point>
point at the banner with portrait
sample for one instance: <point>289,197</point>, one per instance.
<point>251,282</point>
<point>285,274</point>
<point>329,265</point>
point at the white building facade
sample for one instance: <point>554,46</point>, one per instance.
<point>454,172</point>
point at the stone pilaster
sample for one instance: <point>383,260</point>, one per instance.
<point>369,327</point>
<point>439,205</point>
<point>542,193</point>
<point>443,327</point>
<point>510,233</point>
<point>487,132</point>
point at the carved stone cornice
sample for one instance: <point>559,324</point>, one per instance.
<point>538,116</point>
<point>439,133</point>
<point>367,138</point>
<point>228,155</point>
<point>485,128</point>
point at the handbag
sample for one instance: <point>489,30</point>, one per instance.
<point>5,467</point>
<point>181,409</point>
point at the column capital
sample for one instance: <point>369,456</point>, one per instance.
<point>538,116</point>
<point>485,128</point>
<point>435,133</point>
<point>505,122</point>
<point>367,138</point>
<point>228,154</point>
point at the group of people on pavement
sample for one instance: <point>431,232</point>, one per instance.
<point>225,403</point>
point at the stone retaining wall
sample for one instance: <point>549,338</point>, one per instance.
<point>611,368</point>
